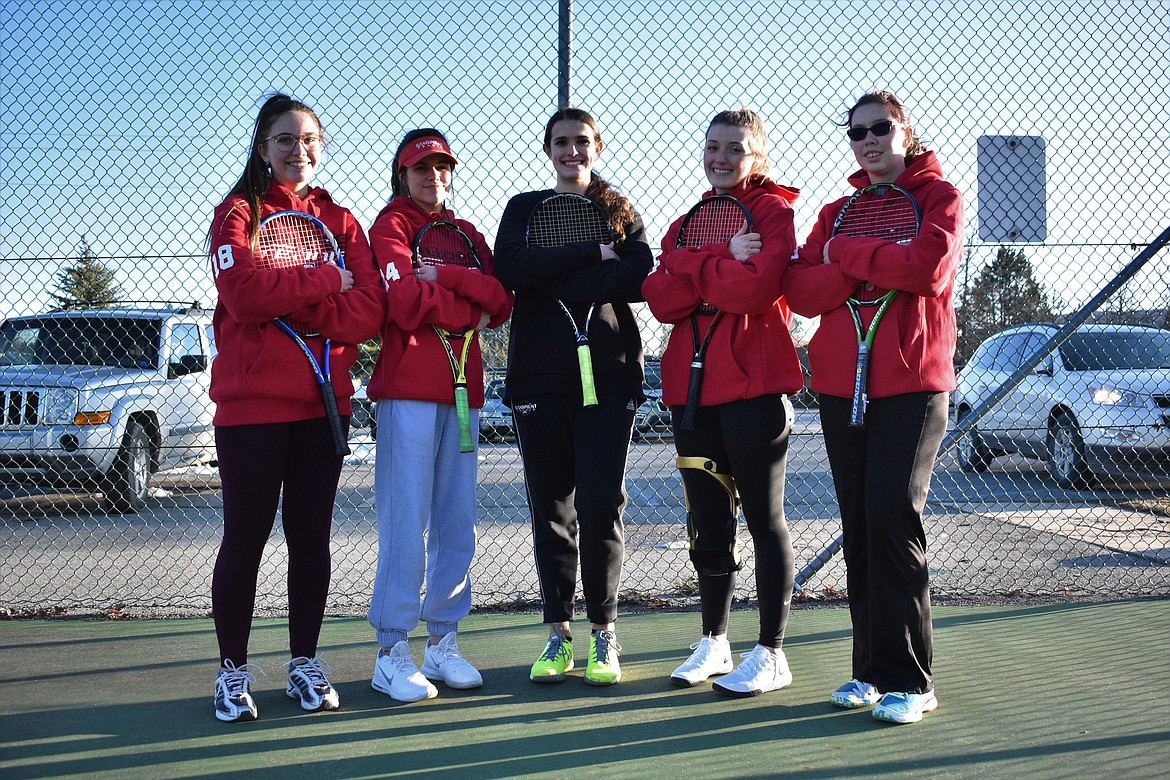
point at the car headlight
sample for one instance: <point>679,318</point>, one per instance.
<point>1112,396</point>
<point>58,405</point>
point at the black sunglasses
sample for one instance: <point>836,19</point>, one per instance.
<point>878,129</point>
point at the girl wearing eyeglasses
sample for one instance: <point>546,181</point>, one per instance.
<point>882,470</point>
<point>739,446</point>
<point>272,439</point>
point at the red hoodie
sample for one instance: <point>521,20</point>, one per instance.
<point>914,346</point>
<point>751,352</point>
<point>259,374</point>
<point>413,363</point>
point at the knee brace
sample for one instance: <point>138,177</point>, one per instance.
<point>722,558</point>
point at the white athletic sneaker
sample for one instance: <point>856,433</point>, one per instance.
<point>760,671</point>
<point>712,656</point>
<point>444,662</point>
<point>396,676</point>
<point>233,695</point>
<point>308,685</point>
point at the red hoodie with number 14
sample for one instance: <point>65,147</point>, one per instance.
<point>413,364</point>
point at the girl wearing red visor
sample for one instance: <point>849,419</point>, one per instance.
<point>423,483</point>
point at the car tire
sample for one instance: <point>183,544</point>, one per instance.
<point>1066,454</point>
<point>129,478</point>
<point>974,454</point>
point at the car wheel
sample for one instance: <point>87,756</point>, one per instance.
<point>974,455</point>
<point>1066,454</point>
<point>129,477</point>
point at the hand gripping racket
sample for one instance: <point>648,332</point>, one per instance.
<point>713,220</point>
<point>293,239</point>
<point>877,211</point>
<point>567,218</point>
<point>445,243</point>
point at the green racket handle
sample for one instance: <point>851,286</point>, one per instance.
<point>585,360</point>
<point>463,414</point>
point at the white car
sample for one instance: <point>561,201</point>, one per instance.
<point>105,398</point>
<point>495,419</point>
<point>1099,405</point>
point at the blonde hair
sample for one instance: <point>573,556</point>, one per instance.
<point>753,125</point>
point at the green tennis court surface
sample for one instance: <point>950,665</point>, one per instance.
<point>1054,690</point>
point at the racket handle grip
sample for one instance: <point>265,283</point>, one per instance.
<point>694,389</point>
<point>333,416</point>
<point>463,415</point>
<point>585,362</point>
<point>860,400</point>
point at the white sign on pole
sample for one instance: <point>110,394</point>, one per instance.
<point>1012,196</point>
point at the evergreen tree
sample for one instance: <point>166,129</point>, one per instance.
<point>89,283</point>
<point>1005,293</point>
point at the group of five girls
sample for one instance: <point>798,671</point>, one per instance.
<point>274,444</point>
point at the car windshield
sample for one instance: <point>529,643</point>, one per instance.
<point>80,341</point>
<point>1125,351</point>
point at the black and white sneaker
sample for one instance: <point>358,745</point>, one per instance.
<point>307,683</point>
<point>233,695</point>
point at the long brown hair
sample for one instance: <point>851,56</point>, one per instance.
<point>613,203</point>
<point>254,182</point>
<point>897,110</point>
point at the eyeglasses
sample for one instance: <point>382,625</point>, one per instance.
<point>879,130</point>
<point>286,142</point>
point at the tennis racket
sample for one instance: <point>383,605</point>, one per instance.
<point>567,218</point>
<point>293,239</point>
<point>877,211</point>
<point>713,220</point>
<point>445,243</point>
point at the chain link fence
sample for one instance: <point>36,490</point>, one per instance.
<point>124,125</point>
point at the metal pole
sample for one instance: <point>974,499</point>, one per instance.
<point>565,55</point>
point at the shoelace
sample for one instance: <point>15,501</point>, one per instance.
<point>237,678</point>
<point>755,659</point>
<point>450,652</point>
<point>605,641</point>
<point>553,648</point>
<point>314,668</point>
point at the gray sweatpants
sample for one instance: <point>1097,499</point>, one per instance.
<point>422,483</point>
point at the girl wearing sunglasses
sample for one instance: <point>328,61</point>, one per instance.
<point>882,470</point>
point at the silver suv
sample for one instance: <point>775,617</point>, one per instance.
<point>1099,405</point>
<point>103,399</point>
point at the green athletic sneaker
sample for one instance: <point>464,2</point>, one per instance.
<point>556,659</point>
<point>603,667</point>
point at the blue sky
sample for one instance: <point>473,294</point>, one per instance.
<point>129,124</point>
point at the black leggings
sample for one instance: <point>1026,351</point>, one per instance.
<point>749,440</point>
<point>255,463</point>
<point>575,469</point>
<point>882,473</point>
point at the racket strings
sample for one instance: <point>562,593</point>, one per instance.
<point>715,223</point>
<point>711,222</point>
<point>556,223</point>
<point>888,216</point>
<point>446,246</point>
<point>292,243</point>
